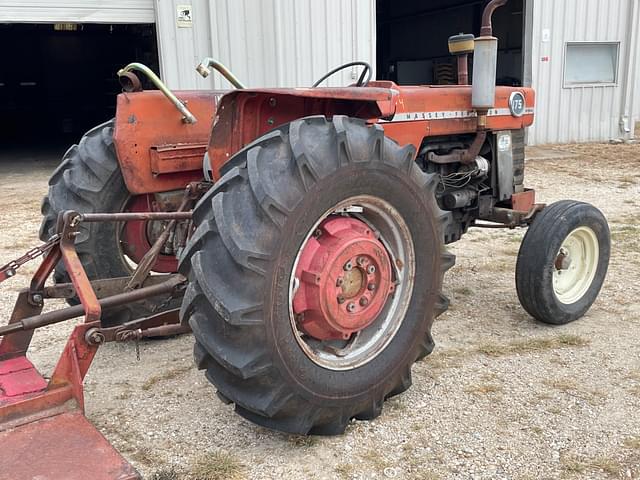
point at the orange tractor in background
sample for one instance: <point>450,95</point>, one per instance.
<point>306,253</point>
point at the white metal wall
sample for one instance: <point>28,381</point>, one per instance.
<point>585,113</point>
<point>77,11</point>
<point>266,43</point>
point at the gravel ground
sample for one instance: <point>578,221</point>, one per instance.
<point>502,397</point>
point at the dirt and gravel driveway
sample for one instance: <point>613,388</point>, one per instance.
<point>502,397</point>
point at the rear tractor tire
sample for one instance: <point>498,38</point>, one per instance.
<point>563,261</point>
<point>89,180</point>
<point>315,275</point>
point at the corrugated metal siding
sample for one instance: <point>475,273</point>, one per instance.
<point>77,11</point>
<point>631,109</point>
<point>580,114</point>
<point>266,43</point>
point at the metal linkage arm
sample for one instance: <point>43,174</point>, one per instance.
<point>57,316</point>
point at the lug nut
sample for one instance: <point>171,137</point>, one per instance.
<point>351,307</point>
<point>371,287</point>
<point>361,261</point>
<point>339,282</point>
<point>348,266</point>
<point>340,300</point>
<point>364,301</point>
<point>371,269</point>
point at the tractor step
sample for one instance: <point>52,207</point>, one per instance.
<point>63,447</point>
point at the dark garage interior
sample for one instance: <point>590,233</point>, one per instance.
<point>59,80</point>
<point>412,39</point>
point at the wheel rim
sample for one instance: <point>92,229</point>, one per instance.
<point>136,237</point>
<point>344,315</point>
<point>575,265</point>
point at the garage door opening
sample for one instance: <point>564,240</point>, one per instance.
<point>412,39</point>
<point>59,80</point>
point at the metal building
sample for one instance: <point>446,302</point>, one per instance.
<point>580,55</point>
<point>583,57</point>
<point>284,43</point>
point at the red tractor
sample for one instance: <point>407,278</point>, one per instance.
<point>307,253</point>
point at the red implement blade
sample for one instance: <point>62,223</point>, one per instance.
<point>63,447</point>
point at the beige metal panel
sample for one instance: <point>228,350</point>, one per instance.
<point>266,43</point>
<point>631,96</point>
<point>77,11</point>
<point>585,113</point>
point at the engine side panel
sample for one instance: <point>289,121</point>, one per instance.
<point>157,151</point>
<point>446,110</point>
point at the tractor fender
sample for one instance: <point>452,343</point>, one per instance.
<point>156,150</point>
<point>243,116</point>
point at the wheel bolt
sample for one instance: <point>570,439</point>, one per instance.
<point>371,269</point>
<point>339,282</point>
<point>340,300</point>
<point>371,287</point>
<point>351,307</point>
<point>361,261</point>
<point>364,301</point>
<point>348,266</point>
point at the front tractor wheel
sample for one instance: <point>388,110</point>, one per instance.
<point>315,274</point>
<point>563,262</point>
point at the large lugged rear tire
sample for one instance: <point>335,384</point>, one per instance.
<point>252,228</point>
<point>89,180</point>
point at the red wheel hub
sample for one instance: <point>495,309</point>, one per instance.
<point>137,237</point>
<point>345,279</point>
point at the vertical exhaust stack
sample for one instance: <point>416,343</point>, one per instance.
<point>485,63</point>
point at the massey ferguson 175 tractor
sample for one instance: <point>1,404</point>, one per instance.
<point>299,233</point>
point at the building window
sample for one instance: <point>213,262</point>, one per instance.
<point>591,64</point>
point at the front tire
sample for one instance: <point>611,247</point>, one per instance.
<point>241,262</point>
<point>563,261</point>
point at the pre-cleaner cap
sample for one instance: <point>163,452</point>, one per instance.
<point>461,44</point>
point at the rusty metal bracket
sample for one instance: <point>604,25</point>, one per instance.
<point>77,274</point>
<point>508,218</point>
<point>192,193</point>
<point>164,324</point>
<point>466,156</point>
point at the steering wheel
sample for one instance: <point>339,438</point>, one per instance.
<point>361,81</point>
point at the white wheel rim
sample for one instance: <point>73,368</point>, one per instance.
<point>575,265</point>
